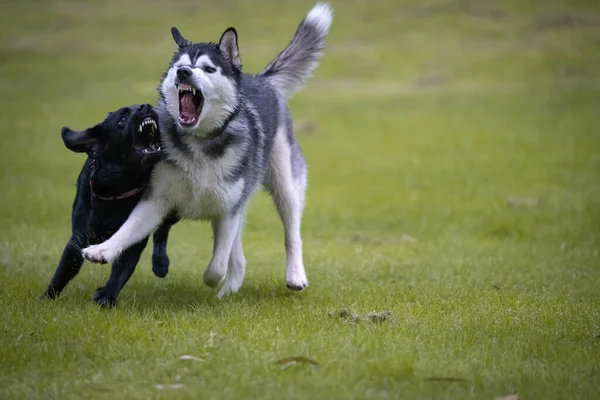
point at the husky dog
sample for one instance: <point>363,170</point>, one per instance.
<point>225,134</point>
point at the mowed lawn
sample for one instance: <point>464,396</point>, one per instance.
<point>454,191</point>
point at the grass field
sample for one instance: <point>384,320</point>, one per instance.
<point>454,156</point>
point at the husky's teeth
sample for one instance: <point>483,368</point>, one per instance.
<point>194,91</point>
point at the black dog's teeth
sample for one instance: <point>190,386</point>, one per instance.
<point>148,121</point>
<point>151,148</point>
<point>148,129</point>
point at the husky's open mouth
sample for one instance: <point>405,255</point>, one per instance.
<point>147,140</point>
<point>191,101</point>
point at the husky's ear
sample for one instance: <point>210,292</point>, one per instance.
<point>179,39</point>
<point>86,141</point>
<point>229,47</point>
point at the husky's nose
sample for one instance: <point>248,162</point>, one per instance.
<point>183,72</point>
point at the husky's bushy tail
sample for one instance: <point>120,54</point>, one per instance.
<point>294,65</point>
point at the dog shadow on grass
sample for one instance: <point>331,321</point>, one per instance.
<point>177,296</point>
<point>180,295</point>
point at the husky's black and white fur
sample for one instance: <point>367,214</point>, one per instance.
<point>225,134</point>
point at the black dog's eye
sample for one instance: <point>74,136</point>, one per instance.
<point>208,69</point>
<point>122,120</point>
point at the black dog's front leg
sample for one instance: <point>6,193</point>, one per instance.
<point>68,267</point>
<point>121,271</point>
<point>160,260</point>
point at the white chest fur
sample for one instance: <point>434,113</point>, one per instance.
<point>198,187</point>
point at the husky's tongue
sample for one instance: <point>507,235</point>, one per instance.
<point>187,106</point>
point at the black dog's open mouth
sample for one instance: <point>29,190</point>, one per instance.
<point>191,101</point>
<point>147,140</point>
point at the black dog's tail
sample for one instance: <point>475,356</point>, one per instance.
<point>294,65</point>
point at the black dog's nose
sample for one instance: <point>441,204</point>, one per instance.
<point>144,107</point>
<point>183,72</point>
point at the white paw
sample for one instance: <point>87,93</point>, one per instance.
<point>99,253</point>
<point>213,278</point>
<point>231,286</point>
<point>296,279</point>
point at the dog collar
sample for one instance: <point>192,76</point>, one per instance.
<point>129,193</point>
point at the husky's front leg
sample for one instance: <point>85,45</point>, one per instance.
<point>145,218</point>
<point>225,229</point>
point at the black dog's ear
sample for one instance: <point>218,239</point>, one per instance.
<point>86,141</point>
<point>179,39</point>
<point>229,47</point>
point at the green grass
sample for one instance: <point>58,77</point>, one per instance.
<point>428,118</point>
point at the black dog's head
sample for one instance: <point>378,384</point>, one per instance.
<point>128,135</point>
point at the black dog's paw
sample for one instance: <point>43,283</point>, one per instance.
<point>160,265</point>
<point>49,294</point>
<point>104,298</point>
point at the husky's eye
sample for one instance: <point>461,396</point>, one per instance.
<point>208,69</point>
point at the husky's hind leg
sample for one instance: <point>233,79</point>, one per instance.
<point>285,179</point>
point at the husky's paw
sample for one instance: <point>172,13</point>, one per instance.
<point>212,278</point>
<point>160,265</point>
<point>99,253</point>
<point>104,298</point>
<point>296,280</point>
<point>231,286</point>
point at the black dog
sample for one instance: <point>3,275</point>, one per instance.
<point>121,153</point>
